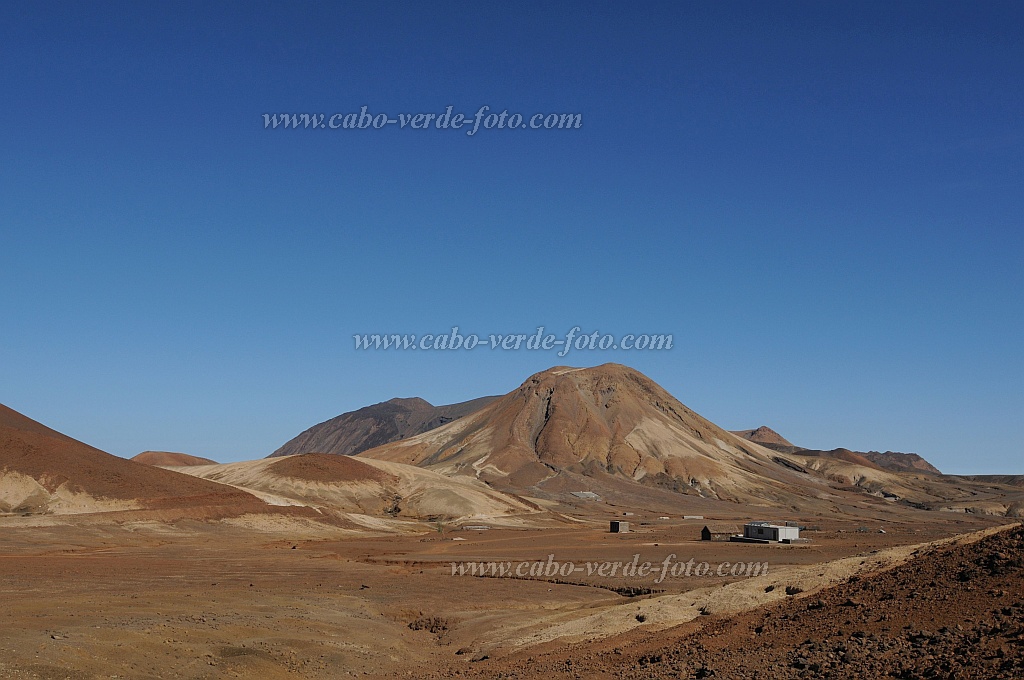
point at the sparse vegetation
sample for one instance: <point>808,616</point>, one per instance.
<point>440,523</point>
<point>433,624</point>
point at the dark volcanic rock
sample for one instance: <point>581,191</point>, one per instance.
<point>392,420</point>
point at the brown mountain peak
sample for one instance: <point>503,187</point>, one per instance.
<point>607,422</point>
<point>170,458</point>
<point>764,435</point>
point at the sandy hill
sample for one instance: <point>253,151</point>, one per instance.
<point>42,470</point>
<point>610,424</point>
<point>170,458</point>
<point>370,426</point>
<point>842,454</point>
<point>370,487</point>
<point>889,460</point>
<point>612,430</point>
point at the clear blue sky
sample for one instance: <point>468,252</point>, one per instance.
<point>822,202</point>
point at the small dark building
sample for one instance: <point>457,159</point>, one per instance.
<point>718,532</point>
<point>619,527</point>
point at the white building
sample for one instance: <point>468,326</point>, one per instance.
<point>770,532</point>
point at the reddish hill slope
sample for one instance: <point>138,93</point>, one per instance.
<point>604,423</point>
<point>170,458</point>
<point>42,470</point>
<point>766,436</point>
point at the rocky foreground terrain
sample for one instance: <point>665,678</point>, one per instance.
<point>953,611</point>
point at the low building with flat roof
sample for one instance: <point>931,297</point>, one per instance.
<point>768,532</point>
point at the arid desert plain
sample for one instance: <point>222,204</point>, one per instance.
<point>478,544</point>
